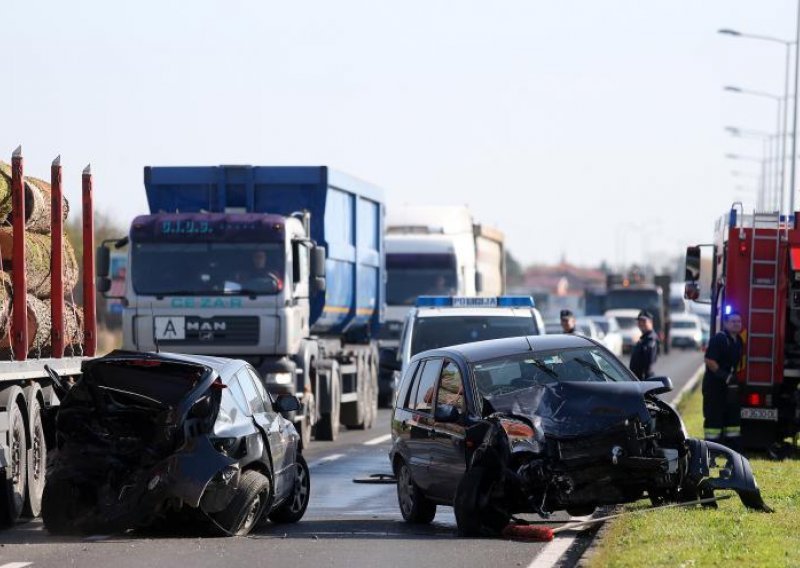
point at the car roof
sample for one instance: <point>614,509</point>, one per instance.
<point>493,348</point>
<point>623,312</point>
<point>685,317</point>
<point>221,365</point>
<point>436,312</point>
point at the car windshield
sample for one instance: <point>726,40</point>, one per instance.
<point>435,332</point>
<point>626,323</point>
<point>526,370</point>
<point>412,275</point>
<point>602,324</point>
<point>164,269</point>
<point>684,325</point>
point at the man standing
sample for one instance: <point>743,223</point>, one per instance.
<point>721,412</point>
<point>567,321</point>
<point>645,352</point>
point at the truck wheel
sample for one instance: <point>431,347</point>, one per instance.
<point>37,455</point>
<point>15,478</point>
<point>360,415</point>
<point>293,509</point>
<point>246,507</point>
<point>327,428</point>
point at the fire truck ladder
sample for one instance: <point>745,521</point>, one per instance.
<point>766,310</point>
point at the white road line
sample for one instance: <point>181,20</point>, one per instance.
<point>378,440</point>
<point>690,384</point>
<point>16,565</point>
<point>552,552</point>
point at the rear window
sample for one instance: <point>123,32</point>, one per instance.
<point>436,332</point>
<point>684,325</point>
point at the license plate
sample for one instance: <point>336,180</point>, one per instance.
<point>760,414</point>
<point>170,328</point>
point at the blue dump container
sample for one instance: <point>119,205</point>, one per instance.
<point>346,218</point>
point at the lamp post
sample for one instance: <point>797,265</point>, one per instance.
<point>788,46</point>
<point>762,162</point>
<point>768,197</point>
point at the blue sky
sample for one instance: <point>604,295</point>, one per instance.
<point>573,126</point>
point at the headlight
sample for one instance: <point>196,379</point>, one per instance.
<point>280,378</point>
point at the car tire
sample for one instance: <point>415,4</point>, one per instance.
<point>581,511</point>
<point>66,506</point>
<point>247,506</point>
<point>414,506</point>
<point>293,509</point>
<point>13,490</point>
<point>476,515</point>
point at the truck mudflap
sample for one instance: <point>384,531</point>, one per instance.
<point>713,466</point>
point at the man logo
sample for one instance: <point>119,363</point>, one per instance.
<point>206,325</point>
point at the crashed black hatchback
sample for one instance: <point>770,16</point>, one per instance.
<point>144,437</point>
<point>540,424</point>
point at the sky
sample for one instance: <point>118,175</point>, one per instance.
<point>586,130</point>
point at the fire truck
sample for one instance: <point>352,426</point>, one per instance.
<point>753,267</point>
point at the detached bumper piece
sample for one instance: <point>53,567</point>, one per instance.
<point>713,466</point>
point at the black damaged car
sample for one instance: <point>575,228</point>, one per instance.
<point>544,423</point>
<point>143,438</point>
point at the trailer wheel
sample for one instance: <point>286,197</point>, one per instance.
<point>37,454</point>
<point>360,415</point>
<point>327,428</point>
<point>12,498</point>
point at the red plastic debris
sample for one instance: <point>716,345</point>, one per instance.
<point>532,533</point>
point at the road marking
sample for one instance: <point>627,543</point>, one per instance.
<point>378,440</point>
<point>16,565</point>
<point>553,551</point>
<point>690,385</point>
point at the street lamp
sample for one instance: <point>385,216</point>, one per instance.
<point>788,45</point>
<point>760,201</point>
<point>765,138</point>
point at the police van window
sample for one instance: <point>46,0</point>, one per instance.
<point>451,387</point>
<point>238,395</point>
<point>425,391</point>
<point>405,383</point>
<point>250,392</point>
<point>265,396</point>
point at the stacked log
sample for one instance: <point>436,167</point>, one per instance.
<point>37,269</point>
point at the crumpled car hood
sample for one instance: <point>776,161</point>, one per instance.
<point>568,409</point>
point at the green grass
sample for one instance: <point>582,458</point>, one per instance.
<point>729,536</point>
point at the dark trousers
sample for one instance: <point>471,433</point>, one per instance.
<point>720,409</point>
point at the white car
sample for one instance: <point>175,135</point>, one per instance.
<point>626,319</point>
<point>686,331</point>
<point>611,335</point>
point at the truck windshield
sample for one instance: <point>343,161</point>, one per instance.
<point>436,332</point>
<point>243,269</point>
<point>412,275</point>
<point>631,298</point>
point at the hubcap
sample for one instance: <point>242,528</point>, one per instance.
<point>405,490</point>
<point>16,456</point>
<point>300,490</point>
<point>252,515</point>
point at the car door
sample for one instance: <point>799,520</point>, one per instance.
<point>448,448</point>
<point>420,421</point>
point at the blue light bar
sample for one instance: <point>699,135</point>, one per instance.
<point>475,302</point>
<point>728,310</point>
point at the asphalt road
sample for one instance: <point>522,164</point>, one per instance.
<point>346,525</point>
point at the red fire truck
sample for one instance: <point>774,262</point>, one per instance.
<point>753,267</point>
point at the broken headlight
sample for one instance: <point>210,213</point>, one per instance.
<point>224,445</point>
<point>521,435</point>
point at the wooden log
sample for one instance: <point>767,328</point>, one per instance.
<point>37,201</point>
<point>37,263</point>
<point>39,326</point>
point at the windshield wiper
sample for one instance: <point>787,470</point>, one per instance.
<point>543,367</point>
<point>595,369</point>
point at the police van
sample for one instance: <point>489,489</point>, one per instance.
<point>440,321</point>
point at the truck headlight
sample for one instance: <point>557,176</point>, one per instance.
<point>280,378</point>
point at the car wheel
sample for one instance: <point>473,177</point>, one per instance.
<point>293,509</point>
<point>580,511</point>
<point>476,513</point>
<point>66,507</point>
<point>414,506</point>
<point>246,507</point>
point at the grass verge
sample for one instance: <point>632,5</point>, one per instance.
<point>728,536</point>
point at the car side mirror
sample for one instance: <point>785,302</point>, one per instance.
<point>665,381</point>
<point>286,403</point>
<point>388,359</point>
<point>446,413</point>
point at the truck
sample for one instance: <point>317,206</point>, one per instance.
<point>435,250</point>
<point>753,267</point>
<point>635,293</point>
<point>29,380</point>
<point>280,266</point>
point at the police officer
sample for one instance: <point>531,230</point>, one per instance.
<point>720,407</point>
<point>645,352</point>
<point>568,321</point>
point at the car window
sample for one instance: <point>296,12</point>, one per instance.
<point>238,395</point>
<point>265,396</point>
<point>451,387</point>
<point>250,391</point>
<point>423,394</point>
<point>405,383</point>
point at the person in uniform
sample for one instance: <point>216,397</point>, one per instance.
<point>645,352</point>
<point>568,321</point>
<point>720,407</point>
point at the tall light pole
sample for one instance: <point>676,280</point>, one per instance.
<point>787,45</point>
<point>768,197</point>
<point>762,161</point>
<point>778,129</point>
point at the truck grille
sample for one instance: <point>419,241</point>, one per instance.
<point>236,330</point>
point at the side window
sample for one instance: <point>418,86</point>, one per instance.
<point>408,379</point>
<point>238,396</point>
<point>250,392</point>
<point>426,386</point>
<point>451,387</point>
<point>300,266</point>
<point>265,396</point>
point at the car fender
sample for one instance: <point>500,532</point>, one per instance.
<point>193,467</point>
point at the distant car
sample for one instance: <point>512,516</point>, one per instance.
<point>611,333</point>
<point>628,328</point>
<point>587,328</point>
<point>553,327</point>
<point>143,436</point>
<point>705,327</point>
<point>687,331</point>
<point>539,424</point>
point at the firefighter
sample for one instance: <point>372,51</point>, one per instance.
<point>567,321</point>
<point>645,352</point>
<point>720,407</point>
